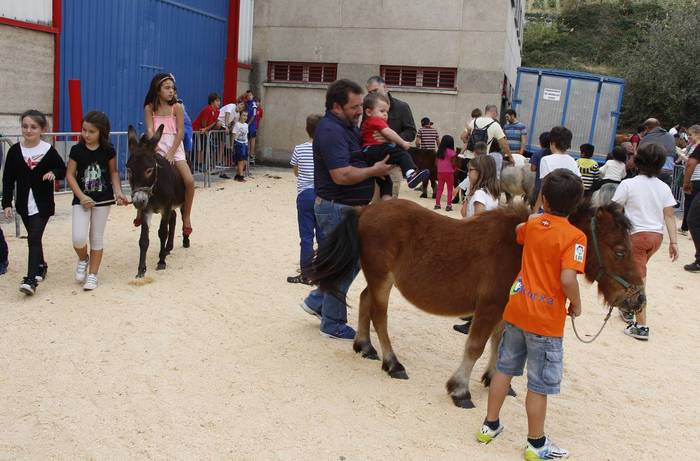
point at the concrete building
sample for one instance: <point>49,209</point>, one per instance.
<point>443,58</point>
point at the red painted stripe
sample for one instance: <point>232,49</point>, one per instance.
<point>242,65</point>
<point>231,62</point>
<point>30,25</point>
<point>76,105</point>
<point>56,64</point>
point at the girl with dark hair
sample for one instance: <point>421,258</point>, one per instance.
<point>160,107</point>
<point>32,165</point>
<point>93,177</point>
<point>649,205</point>
<point>445,170</point>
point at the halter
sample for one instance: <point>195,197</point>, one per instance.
<point>602,270</point>
<point>149,189</point>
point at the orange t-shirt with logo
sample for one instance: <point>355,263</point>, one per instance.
<point>537,303</point>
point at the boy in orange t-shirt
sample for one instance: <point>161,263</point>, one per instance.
<point>554,251</point>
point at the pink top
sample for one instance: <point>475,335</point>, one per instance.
<point>444,165</point>
<point>169,123</point>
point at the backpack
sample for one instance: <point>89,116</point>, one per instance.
<point>478,135</point>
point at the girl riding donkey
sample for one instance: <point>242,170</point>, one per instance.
<point>93,177</point>
<point>161,108</point>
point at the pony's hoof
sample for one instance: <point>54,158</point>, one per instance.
<point>139,274</point>
<point>511,392</point>
<point>398,374</point>
<point>371,355</point>
<point>185,241</point>
<point>160,267</point>
<point>462,402</point>
<point>366,350</point>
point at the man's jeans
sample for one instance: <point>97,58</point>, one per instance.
<point>333,313</point>
<point>694,224</point>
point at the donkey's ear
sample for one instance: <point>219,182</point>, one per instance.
<point>133,138</point>
<point>156,137</point>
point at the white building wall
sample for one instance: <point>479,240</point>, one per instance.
<point>35,11</point>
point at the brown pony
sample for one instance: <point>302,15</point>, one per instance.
<point>401,243</point>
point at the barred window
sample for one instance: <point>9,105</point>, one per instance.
<point>420,77</point>
<point>302,72</point>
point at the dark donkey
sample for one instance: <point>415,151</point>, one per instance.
<point>401,243</point>
<point>156,187</point>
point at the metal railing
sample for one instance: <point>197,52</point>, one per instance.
<point>677,185</point>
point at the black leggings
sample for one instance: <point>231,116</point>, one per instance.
<point>3,248</point>
<point>35,226</point>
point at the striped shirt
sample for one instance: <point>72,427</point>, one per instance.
<point>303,158</point>
<point>589,171</point>
<point>514,133</point>
<point>428,137</point>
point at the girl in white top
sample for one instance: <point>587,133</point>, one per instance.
<point>559,142</point>
<point>482,196</point>
<point>649,204</point>
<point>483,187</point>
<point>614,169</point>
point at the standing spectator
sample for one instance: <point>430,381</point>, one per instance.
<point>535,162</point>
<point>228,115</point>
<point>691,187</point>
<point>488,130</point>
<point>516,133</point>
<point>4,254</point>
<point>209,116</point>
<point>427,137</point>
<point>648,204</point>
<point>252,110</point>
<point>588,168</point>
<point>341,181</point>
<point>400,120</point>
<point>240,145</point>
<point>654,134</point>
<point>303,165</point>
<point>445,170</point>
<point>637,138</point>
<point>466,134</point>
<point>691,175</point>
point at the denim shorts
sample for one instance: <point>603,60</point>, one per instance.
<point>543,354</point>
<point>241,151</point>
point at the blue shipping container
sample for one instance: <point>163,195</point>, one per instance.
<point>115,47</point>
<point>588,104</point>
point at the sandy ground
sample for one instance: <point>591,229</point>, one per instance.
<point>215,360</point>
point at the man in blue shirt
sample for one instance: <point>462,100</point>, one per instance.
<point>654,134</point>
<point>516,133</point>
<point>342,180</point>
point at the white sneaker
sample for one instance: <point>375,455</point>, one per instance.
<point>81,270</point>
<point>548,451</point>
<point>486,434</point>
<point>90,282</point>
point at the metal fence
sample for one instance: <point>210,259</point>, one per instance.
<point>213,154</point>
<point>677,185</point>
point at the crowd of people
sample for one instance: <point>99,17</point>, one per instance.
<point>336,173</point>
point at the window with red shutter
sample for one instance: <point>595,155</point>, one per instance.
<point>301,72</point>
<point>420,77</point>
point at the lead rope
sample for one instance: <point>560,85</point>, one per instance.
<point>607,317</point>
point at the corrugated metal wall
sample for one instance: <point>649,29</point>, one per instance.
<point>245,32</point>
<point>115,48</point>
<point>35,11</point>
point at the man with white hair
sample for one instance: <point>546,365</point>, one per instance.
<point>400,120</point>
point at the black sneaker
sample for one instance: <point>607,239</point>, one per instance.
<point>692,267</point>
<point>417,178</point>
<point>437,207</point>
<point>28,286</point>
<point>224,176</point>
<point>299,279</point>
<point>3,267</point>
<point>463,328</point>
<point>43,269</point>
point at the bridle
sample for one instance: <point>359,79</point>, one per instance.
<point>149,189</point>
<point>602,271</point>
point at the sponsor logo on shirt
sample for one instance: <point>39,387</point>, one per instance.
<point>518,288</point>
<point>579,251</point>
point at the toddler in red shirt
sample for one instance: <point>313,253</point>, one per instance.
<point>376,114</point>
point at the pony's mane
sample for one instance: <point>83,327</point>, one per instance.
<point>586,210</point>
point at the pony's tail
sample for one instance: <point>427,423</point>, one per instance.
<point>337,256</point>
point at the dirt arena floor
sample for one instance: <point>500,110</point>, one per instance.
<point>215,360</point>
